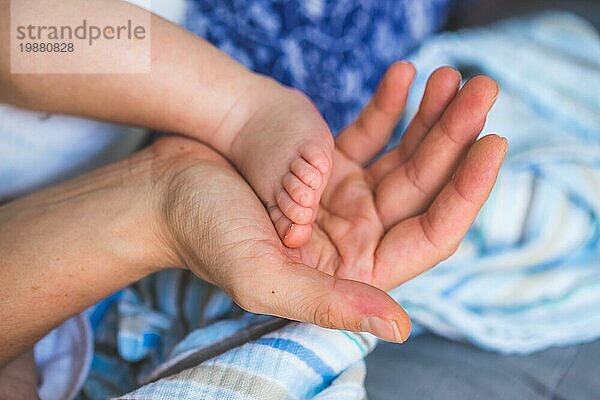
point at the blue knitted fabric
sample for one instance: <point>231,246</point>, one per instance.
<point>334,51</point>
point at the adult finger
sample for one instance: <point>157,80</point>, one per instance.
<point>441,88</point>
<point>418,181</point>
<point>418,243</point>
<point>366,136</point>
<point>301,293</point>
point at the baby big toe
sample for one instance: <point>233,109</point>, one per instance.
<point>297,235</point>
<point>292,235</point>
<point>300,192</point>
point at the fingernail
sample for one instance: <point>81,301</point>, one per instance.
<point>497,91</point>
<point>460,76</point>
<point>405,62</point>
<point>384,329</point>
<point>505,144</point>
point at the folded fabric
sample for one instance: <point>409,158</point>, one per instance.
<point>526,277</point>
<point>296,362</point>
<point>63,358</point>
<point>172,321</point>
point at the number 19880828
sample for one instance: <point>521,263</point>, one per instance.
<point>46,47</point>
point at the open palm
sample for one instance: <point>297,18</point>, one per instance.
<point>387,222</point>
<point>379,223</point>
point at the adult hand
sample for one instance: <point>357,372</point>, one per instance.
<point>179,203</point>
<point>379,224</point>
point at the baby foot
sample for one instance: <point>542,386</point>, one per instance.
<point>284,151</point>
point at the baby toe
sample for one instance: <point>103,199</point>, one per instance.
<point>308,174</point>
<point>282,224</point>
<point>300,192</point>
<point>297,235</point>
<point>294,211</point>
<point>291,235</point>
<point>316,157</point>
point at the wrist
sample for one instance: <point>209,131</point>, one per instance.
<point>103,215</point>
<point>69,246</point>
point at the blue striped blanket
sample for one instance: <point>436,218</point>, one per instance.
<point>526,277</point>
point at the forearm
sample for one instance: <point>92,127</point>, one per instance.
<point>65,248</point>
<point>192,87</point>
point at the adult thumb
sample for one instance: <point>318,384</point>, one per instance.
<point>298,292</point>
